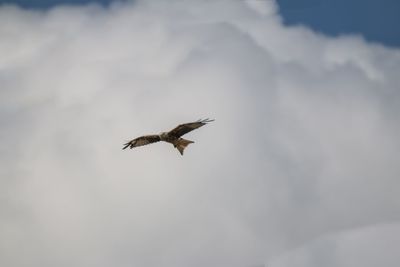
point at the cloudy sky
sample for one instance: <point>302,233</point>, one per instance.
<point>299,169</point>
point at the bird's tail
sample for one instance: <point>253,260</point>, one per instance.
<point>181,144</point>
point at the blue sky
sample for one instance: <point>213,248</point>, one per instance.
<point>376,20</point>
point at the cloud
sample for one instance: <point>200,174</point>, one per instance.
<point>369,246</point>
<point>301,159</point>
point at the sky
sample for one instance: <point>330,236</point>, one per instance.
<point>300,167</point>
<point>375,20</point>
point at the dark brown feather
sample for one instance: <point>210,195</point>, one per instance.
<point>142,140</point>
<point>187,127</point>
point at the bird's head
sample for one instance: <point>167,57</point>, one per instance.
<point>163,135</point>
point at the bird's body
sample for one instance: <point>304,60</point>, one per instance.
<point>173,136</point>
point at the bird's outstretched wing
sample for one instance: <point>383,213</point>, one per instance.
<point>187,127</point>
<point>142,140</point>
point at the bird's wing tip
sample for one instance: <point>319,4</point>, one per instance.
<point>206,120</point>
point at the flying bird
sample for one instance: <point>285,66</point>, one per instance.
<point>173,136</point>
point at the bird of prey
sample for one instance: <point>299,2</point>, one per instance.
<point>173,136</point>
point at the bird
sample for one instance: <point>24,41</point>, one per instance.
<point>173,136</point>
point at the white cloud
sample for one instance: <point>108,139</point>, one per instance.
<point>304,146</point>
<point>375,245</point>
